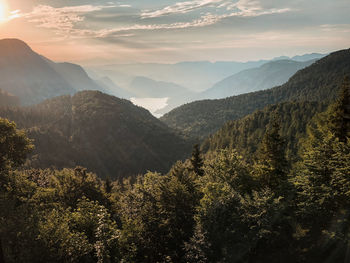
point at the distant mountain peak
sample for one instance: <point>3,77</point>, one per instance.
<point>13,45</point>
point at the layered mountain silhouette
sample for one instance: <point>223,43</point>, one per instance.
<point>106,134</point>
<point>34,78</point>
<point>196,75</point>
<point>318,82</point>
<point>264,77</point>
<point>146,87</point>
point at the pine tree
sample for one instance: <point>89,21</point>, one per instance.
<point>108,185</point>
<point>271,165</point>
<point>323,183</point>
<point>197,161</point>
<point>339,113</point>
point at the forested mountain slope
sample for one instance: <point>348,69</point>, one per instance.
<point>107,135</point>
<point>246,134</point>
<point>318,82</point>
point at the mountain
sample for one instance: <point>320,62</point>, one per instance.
<point>75,75</point>
<point>34,78</point>
<point>195,76</point>
<point>318,82</point>
<point>106,134</point>
<point>307,57</point>
<point>108,86</point>
<point>148,88</point>
<point>27,75</point>
<point>264,77</point>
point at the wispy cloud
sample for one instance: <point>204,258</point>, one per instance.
<point>62,19</point>
<point>338,28</point>
<point>240,8</point>
<point>67,21</point>
<point>179,8</point>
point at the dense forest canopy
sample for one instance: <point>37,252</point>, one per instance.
<point>217,209</point>
<point>245,134</point>
<point>109,136</point>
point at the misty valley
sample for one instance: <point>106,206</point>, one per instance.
<point>197,131</point>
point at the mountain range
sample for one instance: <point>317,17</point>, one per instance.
<point>116,138</point>
<point>318,82</point>
<point>267,76</point>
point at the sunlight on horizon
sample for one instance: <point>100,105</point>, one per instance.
<point>2,11</point>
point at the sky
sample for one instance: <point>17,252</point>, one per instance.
<point>167,31</point>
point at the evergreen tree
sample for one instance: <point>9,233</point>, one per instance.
<point>323,184</point>
<point>339,113</point>
<point>14,147</point>
<point>108,185</point>
<point>197,161</point>
<point>271,166</point>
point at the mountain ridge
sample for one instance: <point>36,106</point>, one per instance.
<point>33,78</point>
<point>266,76</point>
<point>98,131</point>
<point>318,82</point>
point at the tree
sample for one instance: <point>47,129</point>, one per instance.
<point>14,147</point>
<point>238,221</point>
<point>339,113</point>
<point>323,184</point>
<point>271,166</point>
<point>197,161</point>
<point>157,215</point>
<point>108,185</point>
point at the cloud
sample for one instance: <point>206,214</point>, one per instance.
<point>62,19</point>
<point>337,28</point>
<point>179,8</point>
<point>241,8</point>
<point>201,22</point>
<point>68,21</point>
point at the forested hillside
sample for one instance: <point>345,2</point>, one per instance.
<point>318,82</point>
<point>220,209</point>
<point>107,135</point>
<point>245,135</point>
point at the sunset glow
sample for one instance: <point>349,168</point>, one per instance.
<point>105,31</point>
<point>2,11</point>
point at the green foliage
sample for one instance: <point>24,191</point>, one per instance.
<point>157,215</point>
<point>271,166</point>
<point>323,184</point>
<point>223,208</point>
<point>14,146</point>
<point>238,221</point>
<point>197,161</point>
<point>245,135</point>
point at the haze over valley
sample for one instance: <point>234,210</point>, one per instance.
<point>187,131</point>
